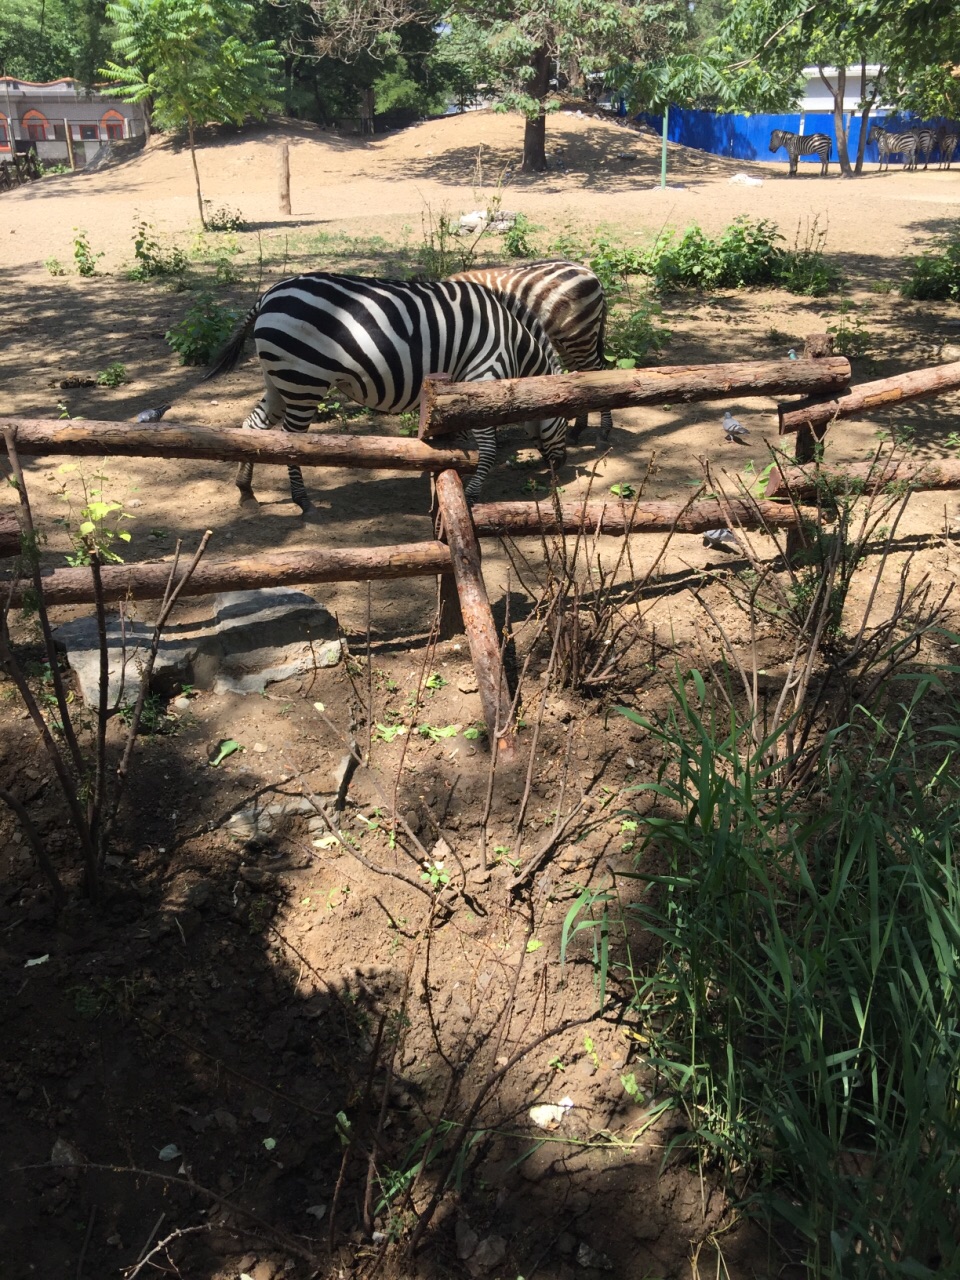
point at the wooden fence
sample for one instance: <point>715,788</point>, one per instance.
<point>447,408</point>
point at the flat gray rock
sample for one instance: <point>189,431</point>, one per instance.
<point>254,638</point>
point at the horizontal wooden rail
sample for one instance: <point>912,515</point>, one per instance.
<point>870,396</point>
<point>492,519</point>
<point>867,477</point>
<point>244,444</point>
<point>270,569</point>
<point>9,536</point>
<point>455,406</point>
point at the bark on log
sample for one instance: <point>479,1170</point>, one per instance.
<point>456,406</point>
<point>243,444</point>
<point>865,476</point>
<point>271,569</point>
<point>870,396</point>
<point>478,620</point>
<point>492,519</point>
<point>9,536</point>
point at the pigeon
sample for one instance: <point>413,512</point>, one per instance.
<point>734,430</point>
<point>792,355</point>
<point>719,538</point>
<point>153,415</point>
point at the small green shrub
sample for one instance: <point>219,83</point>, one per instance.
<point>114,375</point>
<point>746,254</point>
<point>83,255</point>
<point>612,263</point>
<point>203,329</point>
<point>225,219</point>
<point>55,267</point>
<point>151,260</point>
<point>851,337</point>
<point>935,275</point>
<point>633,338</point>
<point>516,239</point>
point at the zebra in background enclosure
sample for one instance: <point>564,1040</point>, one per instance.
<point>569,302</point>
<point>926,141</point>
<point>815,144</point>
<point>894,144</point>
<point>947,142</point>
<point>376,340</point>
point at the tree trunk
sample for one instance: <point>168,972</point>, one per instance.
<point>864,477</point>
<point>535,132</point>
<point>510,519</point>
<point>839,128</point>
<point>865,111</point>
<point>196,171</point>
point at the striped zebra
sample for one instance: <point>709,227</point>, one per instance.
<point>376,340</point>
<point>894,144</point>
<point>569,301</point>
<point>947,142</point>
<point>814,144</point>
<point>926,141</point>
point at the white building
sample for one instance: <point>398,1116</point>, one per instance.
<point>817,97</point>
<point>50,113</point>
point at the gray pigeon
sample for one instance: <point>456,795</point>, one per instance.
<point>719,538</point>
<point>792,355</point>
<point>153,415</point>
<point>733,429</point>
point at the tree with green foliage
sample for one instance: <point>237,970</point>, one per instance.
<point>531,41</point>
<point>191,62</point>
<point>47,39</point>
<point>761,48</point>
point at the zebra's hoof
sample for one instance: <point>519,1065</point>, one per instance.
<point>246,498</point>
<point>305,505</point>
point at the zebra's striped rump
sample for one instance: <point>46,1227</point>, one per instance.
<point>814,144</point>
<point>894,144</point>
<point>376,341</point>
<point>568,300</point>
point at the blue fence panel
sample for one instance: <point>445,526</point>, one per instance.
<point>740,137</point>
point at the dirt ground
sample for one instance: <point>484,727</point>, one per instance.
<point>236,994</point>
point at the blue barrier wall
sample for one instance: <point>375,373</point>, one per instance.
<point>748,137</point>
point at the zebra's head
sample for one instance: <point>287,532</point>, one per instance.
<point>876,134</point>
<point>776,140</point>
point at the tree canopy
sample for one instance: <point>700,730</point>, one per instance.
<point>190,62</point>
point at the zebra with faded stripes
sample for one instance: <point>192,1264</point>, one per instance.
<point>569,301</point>
<point>814,144</point>
<point>376,341</point>
<point>947,142</point>
<point>894,144</point>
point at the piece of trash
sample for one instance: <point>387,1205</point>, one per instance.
<point>260,748</point>
<point>379,1237</point>
<point>316,1211</point>
<point>65,1155</point>
<point>226,747</point>
<point>318,706</point>
<point>325,842</point>
<point>548,1115</point>
<point>745,180</point>
<point>170,1152</point>
<point>37,960</point>
<point>269,1143</point>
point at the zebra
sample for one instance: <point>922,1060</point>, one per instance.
<point>947,142</point>
<point>376,340</point>
<point>814,144</point>
<point>926,141</point>
<point>569,301</point>
<point>891,144</point>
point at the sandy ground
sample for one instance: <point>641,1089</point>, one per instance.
<point>191,957</point>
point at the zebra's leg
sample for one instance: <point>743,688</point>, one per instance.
<point>576,431</point>
<point>264,416</point>
<point>552,434</point>
<point>486,441</point>
<point>297,419</point>
<point>606,425</point>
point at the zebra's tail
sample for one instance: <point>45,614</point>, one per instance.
<point>602,338</point>
<point>228,357</point>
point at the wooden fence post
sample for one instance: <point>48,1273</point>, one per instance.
<point>285,178</point>
<point>478,619</point>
